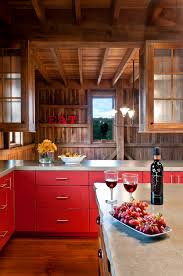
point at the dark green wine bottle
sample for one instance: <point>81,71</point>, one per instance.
<point>157,178</point>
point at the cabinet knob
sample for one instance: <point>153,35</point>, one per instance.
<point>178,178</point>
<point>100,255</point>
<point>98,220</point>
<point>151,123</point>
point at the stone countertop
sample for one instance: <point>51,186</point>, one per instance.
<point>87,165</point>
<point>132,254</point>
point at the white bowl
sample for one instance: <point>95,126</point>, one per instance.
<point>72,160</point>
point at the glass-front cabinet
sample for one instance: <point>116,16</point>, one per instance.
<point>161,87</point>
<point>17,92</point>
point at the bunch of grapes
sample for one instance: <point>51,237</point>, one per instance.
<point>135,215</point>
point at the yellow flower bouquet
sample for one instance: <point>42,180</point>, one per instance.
<point>46,151</point>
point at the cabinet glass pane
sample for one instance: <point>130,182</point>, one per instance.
<point>178,108</point>
<point>16,111</point>
<point>178,86</point>
<point>178,60</point>
<point>163,111</point>
<point>162,86</point>
<point>7,112</point>
<point>16,88</point>
<point>162,61</point>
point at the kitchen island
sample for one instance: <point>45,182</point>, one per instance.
<point>132,254</point>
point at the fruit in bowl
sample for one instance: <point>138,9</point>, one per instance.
<point>71,158</point>
<point>135,215</point>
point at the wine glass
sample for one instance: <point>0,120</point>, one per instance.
<point>130,182</point>
<point>111,180</point>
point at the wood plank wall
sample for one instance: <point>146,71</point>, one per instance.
<point>18,153</point>
<point>54,99</point>
<point>139,145</point>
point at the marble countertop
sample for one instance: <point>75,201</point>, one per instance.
<point>87,165</point>
<point>132,254</point>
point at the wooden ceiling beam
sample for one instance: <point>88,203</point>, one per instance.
<point>39,10</point>
<point>80,59</point>
<point>128,55</point>
<point>116,11</point>
<point>76,4</point>
<point>40,66</point>
<point>58,61</point>
<point>106,51</point>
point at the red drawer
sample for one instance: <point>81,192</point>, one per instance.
<point>59,220</point>
<point>63,196</point>
<point>146,177</point>
<point>168,177</point>
<point>61,178</point>
<point>93,224</point>
<point>96,177</point>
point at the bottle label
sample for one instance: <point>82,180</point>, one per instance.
<point>157,185</point>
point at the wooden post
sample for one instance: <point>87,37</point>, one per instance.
<point>6,138</point>
<point>119,122</point>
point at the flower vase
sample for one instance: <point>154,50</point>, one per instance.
<point>46,157</point>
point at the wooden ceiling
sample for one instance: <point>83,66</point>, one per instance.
<point>112,32</point>
<point>86,63</point>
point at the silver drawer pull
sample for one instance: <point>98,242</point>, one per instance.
<point>178,178</point>
<point>4,233</point>
<point>62,197</point>
<point>62,178</point>
<point>62,220</point>
<point>2,207</point>
<point>171,179</point>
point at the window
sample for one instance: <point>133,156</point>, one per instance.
<point>103,116</point>
<point>16,138</point>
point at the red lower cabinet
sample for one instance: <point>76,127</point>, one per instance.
<point>168,177</point>
<point>93,220</point>
<point>25,201</point>
<point>7,224</point>
<point>62,220</point>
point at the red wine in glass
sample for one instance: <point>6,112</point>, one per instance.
<point>111,183</point>
<point>131,187</point>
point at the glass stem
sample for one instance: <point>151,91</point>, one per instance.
<point>111,194</point>
<point>131,197</point>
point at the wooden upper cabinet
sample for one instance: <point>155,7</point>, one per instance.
<point>161,82</point>
<point>17,89</point>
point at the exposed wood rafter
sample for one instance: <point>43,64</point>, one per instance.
<point>128,55</point>
<point>156,15</point>
<point>80,65</point>
<point>102,65</point>
<point>116,11</point>
<point>40,66</point>
<point>57,58</point>
<point>76,4</point>
<point>39,10</point>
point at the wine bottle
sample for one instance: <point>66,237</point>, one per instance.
<point>157,178</point>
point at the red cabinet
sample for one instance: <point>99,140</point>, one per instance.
<point>6,208</point>
<point>93,217</point>
<point>25,200</point>
<point>61,178</point>
<point>168,177</point>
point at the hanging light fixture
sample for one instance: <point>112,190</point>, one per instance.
<point>124,110</point>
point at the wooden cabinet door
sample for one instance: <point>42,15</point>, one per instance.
<point>25,200</point>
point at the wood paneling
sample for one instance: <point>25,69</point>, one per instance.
<point>18,153</point>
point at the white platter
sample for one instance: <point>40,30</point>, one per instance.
<point>167,229</point>
<point>72,160</point>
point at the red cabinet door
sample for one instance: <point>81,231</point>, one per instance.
<point>168,177</point>
<point>93,217</point>
<point>96,177</point>
<point>9,180</point>
<point>63,196</point>
<point>61,178</point>
<point>146,178</point>
<point>62,220</point>
<point>25,200</point>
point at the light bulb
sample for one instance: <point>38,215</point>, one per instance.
<point>113,112</point>
<point>124,110</point>
<point>131,113</point>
